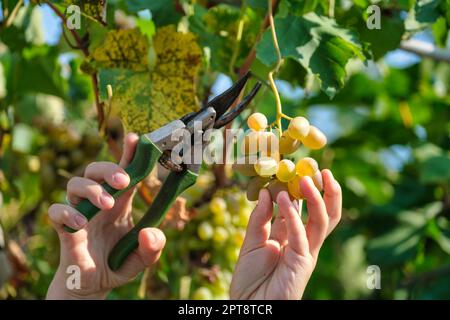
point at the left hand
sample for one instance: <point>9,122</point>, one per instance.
<point>89,248</point>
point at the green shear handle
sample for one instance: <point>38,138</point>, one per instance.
<point>147,153</point>
<point>174,185</point>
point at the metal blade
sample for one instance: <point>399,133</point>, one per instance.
<point>225,100</point>
<point>230,116</point>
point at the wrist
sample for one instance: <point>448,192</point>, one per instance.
<point>61,289</point>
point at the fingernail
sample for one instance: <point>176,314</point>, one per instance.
<point>120,178</point>
<point>107,200</point>
<point>152,237</point>
<point>80,220</point>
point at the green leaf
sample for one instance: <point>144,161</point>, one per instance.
<point>318,43</point>
<point>163,11</point>
<point>395,247</point>
<point>257,4</point>
<point>440,32</point>
<point>427,10</point>
<point>385,39</point>
<point>424,13</point>
<point>297,7</point>
<point>435,169</point>
<point>217,29</point>
<point>37,70</point>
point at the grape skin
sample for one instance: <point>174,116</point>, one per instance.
<point>266,166</point>
<point>315,139</point>
<point>257,121</point>
<point>298,128</point>
<point>294,188</point>
<point>306,167</point>
<point>288,144</point>
<point>286,170</point>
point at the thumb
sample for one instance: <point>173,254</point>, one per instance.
<point>129,147</point>
<point>151,243</point>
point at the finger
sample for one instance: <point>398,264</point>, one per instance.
<point>129,147</point>
<point>317,225</point>
<point>83,188</point>
<point>113,174</point>
<point>332,198</point>
<point>278,231</point>
<point>151,244</point>
<point>258,228</point>
<point>62,215</point>
<point>296,234</point>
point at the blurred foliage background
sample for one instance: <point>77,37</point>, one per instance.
<point>384,110</point>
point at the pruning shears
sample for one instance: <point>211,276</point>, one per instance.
<point>157,146</point>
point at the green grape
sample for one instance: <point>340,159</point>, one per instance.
<point>294,188</point>
<point>266,166</point>
<point>257,121</point>
<point>205,231</point>
<point>254,185</point>
<point>298,128</point>
<point>286,170</point>
<point>306,167</point>
<point>243,217</point>
<point>238,236</point>
<point>34,163</point>
<point>315,139</point>
<point>288,144</point>
<point>202,293</point>
<point>275,187</point>
<point>220,235</point>
<point>217,205</point>
<point>222,219</point>
<point>232,253</point>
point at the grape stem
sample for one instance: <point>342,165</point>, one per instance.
<point>331,8</point>
<point>273,86</point>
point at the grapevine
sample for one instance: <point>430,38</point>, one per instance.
<point>270,170</point>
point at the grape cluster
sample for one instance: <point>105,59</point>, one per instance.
<point>220,227</point>
<point>263,157</point>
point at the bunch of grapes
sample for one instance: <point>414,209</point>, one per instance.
<point>264,152</point>
<point>221,226</point>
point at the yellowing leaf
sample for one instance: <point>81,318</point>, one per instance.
<point>147,100</point>
<point>121,49</point>
<point>92,8</point>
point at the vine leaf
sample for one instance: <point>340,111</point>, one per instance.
<point>163,11</point>
<point>120,49</point>
<point>95,9</point>
<point>318,43</point>
<point>147,100</point>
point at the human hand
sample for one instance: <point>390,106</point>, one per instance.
<point>277,260</point>
<point>88,248</point>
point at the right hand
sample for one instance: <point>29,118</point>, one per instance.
<point>89,247</point>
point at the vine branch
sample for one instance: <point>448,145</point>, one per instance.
<point>80,45</point>
<point>13,13</point>
<point>275,70</point>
